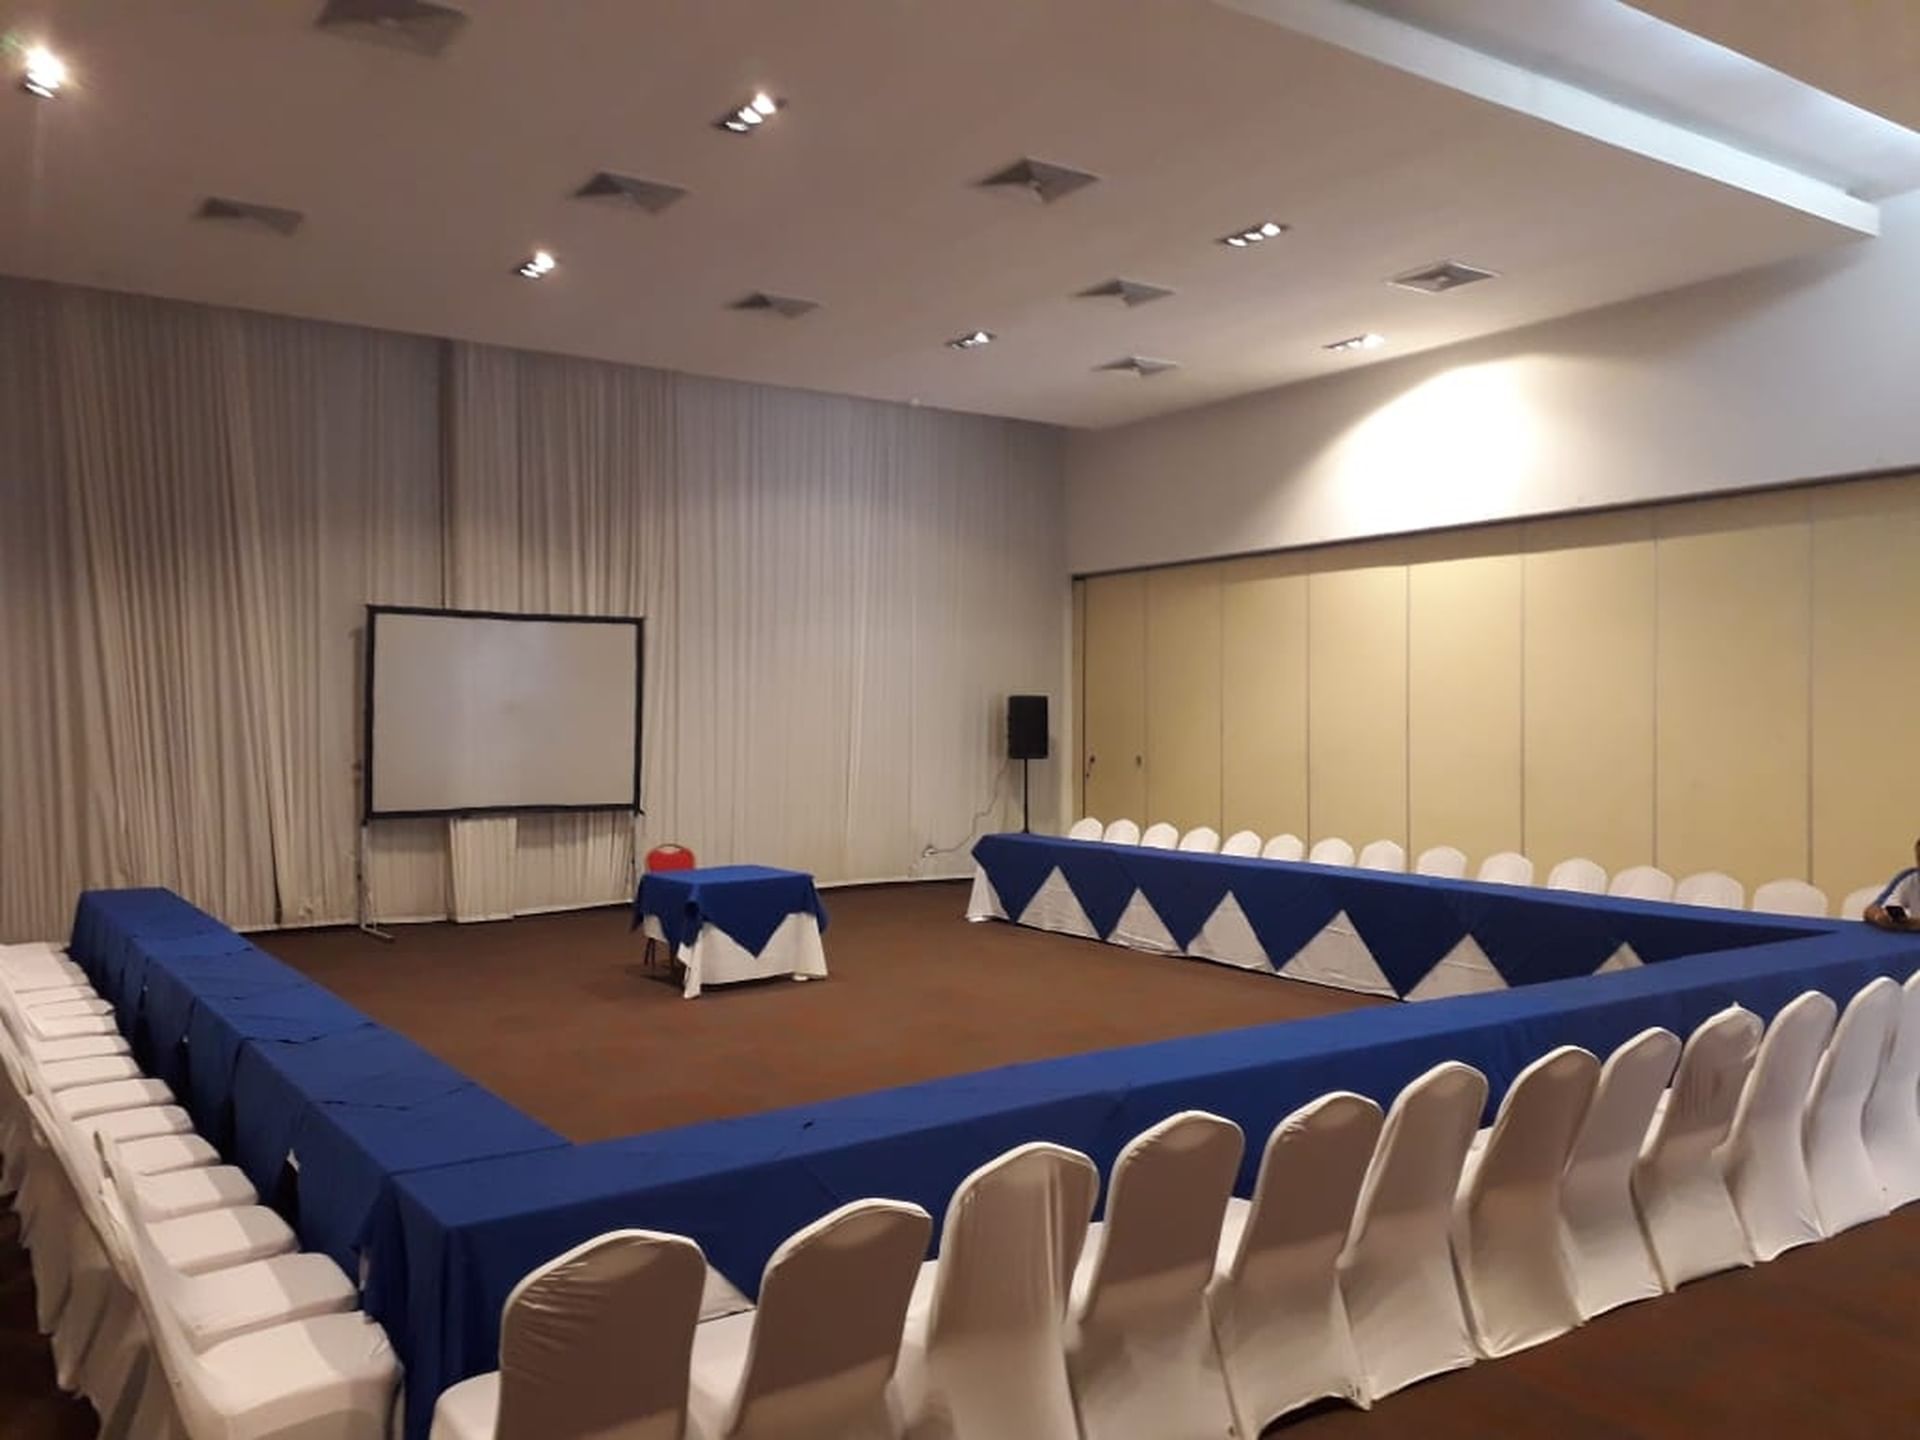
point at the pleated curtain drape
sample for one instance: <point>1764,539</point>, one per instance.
<point>197,504</point>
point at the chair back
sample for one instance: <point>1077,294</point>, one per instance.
<point>826,1334</point>
<point>1854,907</point>
<point>1160,836</point>
<point>1331,850</point>
<point>1642,882</point>
<point>1707,1083</point>
<point>1201,840</point>
<point>670,857</point>
<point>1310,1174</point>
<point>1387,855</point>
<point>1443,862</point>
<point>1122,832</point>
<point>1625,1095</point>
<point>1790,897</point>
<point>572,1362</point>
<point>1086,828</point>
<point>1763,1157</point>
<point>1242,842</point>
<point>1509,867</point>
<point>1285,846</point>
<point>1891,1122</point>
<point>1711,887</point>
<point>1539,1118</point>
<point>1846,1190</point>
<point>1579,875</point>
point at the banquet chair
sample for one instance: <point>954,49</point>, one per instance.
<point>1242,842</point>
<point>1790,897</point>
<point>1642,882</point>
<point>1330,850</point>
<point>1846,1188</point>
<point>1891,1121</point>
<point>1086,828</point>
<point>665,857</point>
<point>1122,832</point>
<point>1509,867</point>
<point>1160,836</point>
<point>1278,1320</point>
<point>1443,862</point>
<point>1579,875</point>
<point>1678,1186</point>
<point>593,1343</point>
<point>1140,1355</point>
<point>815,1360</point>
<point>1711,887</point>
<point>1764,1159</point>
<point>1506,1216</point>
<point>1854,907</point>
<point>1201,840</point>
<point>1396,1270</point>
<point>1286,846</point>
<point>1600,1231</point>
<point>1387,855</point>
<point>983,1355</point>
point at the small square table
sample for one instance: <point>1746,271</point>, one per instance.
<point>728,923</point>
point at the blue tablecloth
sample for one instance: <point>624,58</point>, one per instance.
<point>1408,922</point>
<point>746,902</point>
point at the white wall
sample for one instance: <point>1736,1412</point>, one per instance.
<point>1801,370</point>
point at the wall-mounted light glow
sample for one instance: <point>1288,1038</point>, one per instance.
<point>536,266</point>
<point>1368,341</point>
<point>1254,234</point>
<point>746,118</point>
<point>972,340</point>
<point>42,73</point>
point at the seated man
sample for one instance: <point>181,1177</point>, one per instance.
<point>1898,907</point>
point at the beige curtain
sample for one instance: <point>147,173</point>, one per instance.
<point>199,503</point>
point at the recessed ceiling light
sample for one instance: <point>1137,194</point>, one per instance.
<point>1368,341</point>
<point>536,266</point>
<point>1254,234</point>
<point>1439,278</point>
<point>750,115</point>
<point>43,73</point>
<point>972,340</point>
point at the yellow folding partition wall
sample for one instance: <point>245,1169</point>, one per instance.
<point>1724,684</point>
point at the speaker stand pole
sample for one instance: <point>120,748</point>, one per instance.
<point>362,922</point>
<point>1026,828</point>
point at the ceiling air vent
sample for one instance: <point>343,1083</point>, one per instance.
<point>1043,180</point>
<point>418,26</point>
<point>789,306</point>
<point>1438,279</point>
<point>652,196</point>
<point>281,222</point>
<point>1141,365</point>
<point>1131,292</point>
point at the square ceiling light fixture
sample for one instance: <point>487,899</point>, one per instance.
<point>652,196</point>
<point>418,26</point>
<point>788,307</point>
<point>1128,292</point>
<point>1145,366</point>
<point>276,218</point>
<point>1041,179</point>
<point>1439,278</point>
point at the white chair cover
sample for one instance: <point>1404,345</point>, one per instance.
<point>1086,828</point>
<point>1790,897</point>
<point>816,1358</point>
<point>1892,1119</point>
<point>1160,836</point>
<point>593,1343</point>
<point>1765,1163</point>
<point>1278,1318</point>
<point>1509,867</point>
<point>1283,847</point>
<point>1388,855</point>
<point>1330,851</point>
<point>1201,840</point>
<point>1846,1188</point>
<point>1711,887</point>
<point>1854,907</point>
<point>1642,882</point>
<point>1579,875</point>
<point>1678,1185</point>
<point>1444,862</point>
<point>1122,832</point>
<point>1140,1352</point>
<point>983,1356</point>
<point>1506,1219</point>
<point>1396,1271</point>
<point>1242,842</point>
<point>1600,1229</point>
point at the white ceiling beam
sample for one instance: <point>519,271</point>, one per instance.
<point>1409,48</point>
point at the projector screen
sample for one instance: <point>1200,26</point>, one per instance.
<point>471,712</point>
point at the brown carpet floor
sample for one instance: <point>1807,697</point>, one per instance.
<point>1818,1343</point>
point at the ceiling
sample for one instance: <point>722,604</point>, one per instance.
<point>425,181</point>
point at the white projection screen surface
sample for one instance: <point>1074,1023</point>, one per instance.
<point>470,713</point>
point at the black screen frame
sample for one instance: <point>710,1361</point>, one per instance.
<point>367,811</point>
